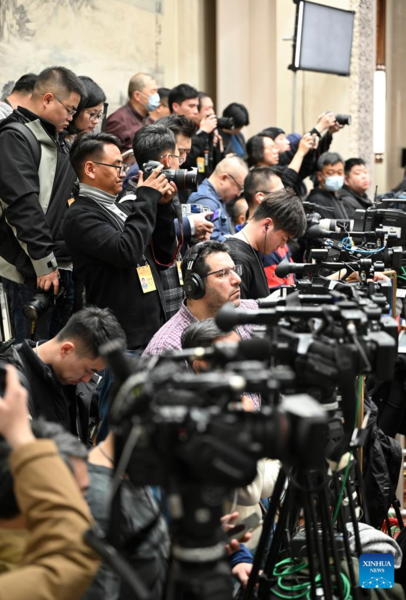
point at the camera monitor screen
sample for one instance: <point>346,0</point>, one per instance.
<point>323,38</point>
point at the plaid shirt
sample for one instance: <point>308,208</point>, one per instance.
<point>168,337</point>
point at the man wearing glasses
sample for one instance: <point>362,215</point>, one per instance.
<point>35,184</point>
<point>119,248</point>
<point>224,185</point>
<point>217,281</point>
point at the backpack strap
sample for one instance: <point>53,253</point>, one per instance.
<point>29,136</point>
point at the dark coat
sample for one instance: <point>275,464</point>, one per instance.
<point>353,201</point>
<point>106,257</point>
<point>329,204</point>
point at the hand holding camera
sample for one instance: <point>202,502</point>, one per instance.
<point>158,181</point>
<point>45,282</point>
<point>209,123</point>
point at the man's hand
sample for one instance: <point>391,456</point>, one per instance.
<point>247,403</point>
<point>242,572</point>
<point>159,182</point>
<point>14,415</point>
<point>203,227</point>
<point>45,281</point>
<point>325,121</point>
<point>306,144</point>
<point>227,523</point>
<point>208,124</point>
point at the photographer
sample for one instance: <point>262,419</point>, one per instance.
<point>114,245</point>
<point>56,562</point>
<point>35,184</point>
<point>233,139</point>
<point>356,183</point>
<point>223,186</point>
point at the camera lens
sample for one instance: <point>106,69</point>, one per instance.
<point>226,123</point>
<point>38,304</point>
<point>183,179</point>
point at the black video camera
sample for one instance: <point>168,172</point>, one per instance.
<point>184,179</point>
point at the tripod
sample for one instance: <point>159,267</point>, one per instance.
<point>305,526</point>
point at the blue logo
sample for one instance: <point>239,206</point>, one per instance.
<point>377,571</point>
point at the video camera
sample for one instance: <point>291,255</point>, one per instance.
<point>184,179</point>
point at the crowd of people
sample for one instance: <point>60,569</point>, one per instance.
<point>100,248</point>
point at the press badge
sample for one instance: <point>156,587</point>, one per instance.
<point>146,279</point>
<point>179,267</point>
<point>200,164</point>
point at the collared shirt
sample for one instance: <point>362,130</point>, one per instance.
<point>168,337</point>
<point>124,123</point>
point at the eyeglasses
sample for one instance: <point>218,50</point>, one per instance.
<point>180,158</point>
<point>123,168</point>
<point>95,116</point>
<point>240,188</point>
<point>224,273</point>
<point>70,111</point>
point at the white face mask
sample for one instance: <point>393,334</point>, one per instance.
<point>334,183</point>
<point>153,101</point>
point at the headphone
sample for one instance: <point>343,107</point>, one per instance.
<point>194,285</point>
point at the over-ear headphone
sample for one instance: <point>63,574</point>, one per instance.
<point>194,285</point>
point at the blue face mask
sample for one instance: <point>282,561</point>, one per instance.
<point>334,183</point>
<point>153,101</point>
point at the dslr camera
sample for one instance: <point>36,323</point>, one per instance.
<point>225,123</point>
<point>41,301</point>
<point>184,179</point>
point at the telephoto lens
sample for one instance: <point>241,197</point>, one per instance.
<point>225,123</point>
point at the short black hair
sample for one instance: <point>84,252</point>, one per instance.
<point>164,94</point>
<point>90,328</point>
<point>151,142</point>
<point>200,98</point>
<point>238,112</point>
<point>271,132</point>
<point>353,162</point>
<point>68,446</point>
<point>89,146</point>
<point>205,249</point>
<point>255,150</point>
<point>329,158</point>
<point>257,180</point>
<point>285,209</point>
<point>25,84</point>
<point>180,93</point>
<point>179,124</point>
<point>94,96</point>
<point>202,334</point>
<point>59,79</point>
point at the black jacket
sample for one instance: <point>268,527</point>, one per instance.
<point>329,204</point>
<point>353,201</point>
<point>254,283</point>
<point>48,398</point>
<point>105,259</point>
<point>33,205</point>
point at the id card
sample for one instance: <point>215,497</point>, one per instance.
<point>146,279</point>
<point>179,267</point>
<point>200,164</point>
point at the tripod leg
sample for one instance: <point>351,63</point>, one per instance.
<point>344,531</point>
<point>324,572</point>
<point>311,549</point>
<point>266,532</point>
<point>354,519</point>
<point>362,494</point>
<point>326,516</point>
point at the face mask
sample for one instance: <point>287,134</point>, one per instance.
<point>334,183</point>
<point>153,101</point>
